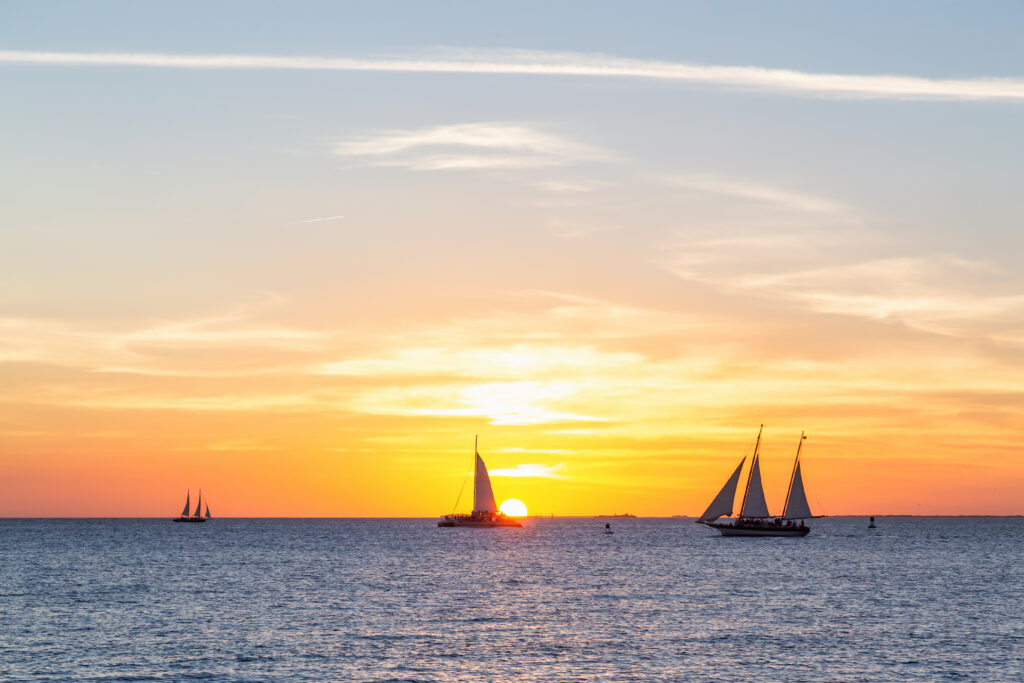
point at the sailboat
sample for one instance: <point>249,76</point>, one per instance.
<point>195,517</point>
<point>485,512</point>
<point>754,519</point>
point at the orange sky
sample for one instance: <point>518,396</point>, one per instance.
<point>608,407</point>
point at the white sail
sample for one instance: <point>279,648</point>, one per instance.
<point>199,504</point>
<point>796,506</point>
<point>208,511</point>
<point>755,505</point>
<point>184,513</point>
<point>483,495</point>
<point>721,506</point>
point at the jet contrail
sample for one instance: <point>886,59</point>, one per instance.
<point>516,62</point>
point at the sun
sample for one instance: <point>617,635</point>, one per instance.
<point>513,508</point>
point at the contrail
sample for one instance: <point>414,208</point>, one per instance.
<point>530,63</point>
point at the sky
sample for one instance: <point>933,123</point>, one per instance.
<point>300,254</point>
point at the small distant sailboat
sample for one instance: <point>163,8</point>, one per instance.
<point>754,519</point>
<point>485,512</point>
<point>195,517</point>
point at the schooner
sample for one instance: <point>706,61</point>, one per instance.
<point>195,517</point>
<point>754,519</point>
<point>485,512</point>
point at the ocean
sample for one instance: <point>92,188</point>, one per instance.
<point>932,599</point>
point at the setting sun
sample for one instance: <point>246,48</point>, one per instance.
<point>513,508</point>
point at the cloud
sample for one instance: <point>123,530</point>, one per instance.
<point>761,193</point>
<point>529,470</point>
<point>567,187</point>
<point>938,294</point>
<point>524,62</point>
<point>467,146</point>
<point>842,273</point>
<point>322,220</point>
<point>503,403</point>
<point>167,348</point>
<point>507,361</point>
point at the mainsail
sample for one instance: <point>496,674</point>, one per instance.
<point>721,506</point>
<point>754,504</point>
<point>483,495</point>
<point>184,513</point>
<point>796,506</point>
<point>199,504</point>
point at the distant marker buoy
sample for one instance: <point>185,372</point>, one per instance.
<point>872,524</point>
<point>608,528</point>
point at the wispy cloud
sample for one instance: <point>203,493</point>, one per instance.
<point>759,192</point>
<point>322,220</point>
<point>502,403</point>
<point>569,64</point>
<point>160,348</point>
<point>939,294</point>
<point>508,361</point>
<point>567,187</point>
<point>530,470</point>
<point>467,146</point>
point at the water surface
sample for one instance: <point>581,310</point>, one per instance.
<point>376,600</point>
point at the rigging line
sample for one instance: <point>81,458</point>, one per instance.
<point>460,494</point>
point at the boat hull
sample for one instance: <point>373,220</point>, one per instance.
<point>190,520</point>
<point>733,529</point>
<point>478,521</point>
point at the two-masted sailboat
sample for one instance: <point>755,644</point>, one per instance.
<point>485,512</point>
<point>754,519</point>
<point>194,517</point>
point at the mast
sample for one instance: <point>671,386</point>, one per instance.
<point>792,475</point>
<point>750,474</point>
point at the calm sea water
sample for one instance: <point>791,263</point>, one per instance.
<point>252,600</point>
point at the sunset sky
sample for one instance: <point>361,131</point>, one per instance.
<point>299,254</point>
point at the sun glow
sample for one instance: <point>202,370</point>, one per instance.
<point>513,508</point>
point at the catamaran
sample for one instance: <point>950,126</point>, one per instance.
<point>485,512</point>
<point>754,519</point>
<point>196,517</point>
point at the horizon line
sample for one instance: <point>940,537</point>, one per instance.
<point>594,516</point>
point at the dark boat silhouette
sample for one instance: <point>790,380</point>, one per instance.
<point>196,517</point>
<point>754,519</point>
<point>485,512</point>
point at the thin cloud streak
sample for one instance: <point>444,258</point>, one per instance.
<point>322,220</point>
<point>522,62</point>
<point>530,470</point>
<point>761,193</point>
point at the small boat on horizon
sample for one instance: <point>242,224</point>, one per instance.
<point>196,517</point>
<point>485,512</point>
<point>754,519</point>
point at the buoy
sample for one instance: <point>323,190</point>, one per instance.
<point>872,525</point>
